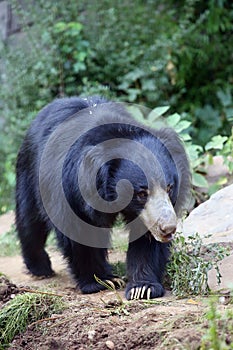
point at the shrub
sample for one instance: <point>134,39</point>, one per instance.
<point>188,267</point>
<point>171,53</point>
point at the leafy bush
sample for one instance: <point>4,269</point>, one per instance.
<point>48,63</point>
<point>162,54</point>
<point>188,268</point>
<point>198,156</point>
<point>152,53</point>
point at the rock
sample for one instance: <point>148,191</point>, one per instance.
<point>215,218</point>
<point>225,267</point>
<point>91,334</point>
<point>110,345</point>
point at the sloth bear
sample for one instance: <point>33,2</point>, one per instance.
<point>83,162</point>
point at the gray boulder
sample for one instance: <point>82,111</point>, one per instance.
<point>215,217</point>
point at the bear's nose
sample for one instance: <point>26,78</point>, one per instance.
<point>167,230</point>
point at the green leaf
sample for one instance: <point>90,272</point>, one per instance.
<point>216,142</point>
<point>229,113</point>
<point>225,97</point>
<point>199,180</point>
<point>173,120</point>
<point>186,137</point>
<point>136,113</point>
<point>11,178</point>
<point>157,112</point>
<point>182,125</point>
<point>133,93</point>
<point>148,84</point>
<point>193,151</point>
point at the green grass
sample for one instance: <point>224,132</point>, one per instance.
<point>119,268</point>
<point>23,310</point>
<point>219,333</point>
<point>119,235</point>
<point>10,244</point>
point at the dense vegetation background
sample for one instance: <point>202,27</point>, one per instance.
<point>156,53</point>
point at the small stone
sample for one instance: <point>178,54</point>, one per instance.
<point>109,344</point>
<point>3,289</point>
<point>91,334</point>
<point>225,297</point>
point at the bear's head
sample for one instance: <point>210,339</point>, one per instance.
<point>153,197</point>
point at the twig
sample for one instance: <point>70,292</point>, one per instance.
<point>43,320</point>
<point>40,292</point>
<point>66,320</point>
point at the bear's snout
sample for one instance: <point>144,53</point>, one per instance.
<point>168,230</point>
<point>159,216</point>
<point>167,222</point>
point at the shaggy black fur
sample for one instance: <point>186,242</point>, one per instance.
<point>146,257</point>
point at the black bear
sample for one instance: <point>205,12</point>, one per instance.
<point>83,162</point>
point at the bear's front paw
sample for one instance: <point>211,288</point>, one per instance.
<point>145,290</point>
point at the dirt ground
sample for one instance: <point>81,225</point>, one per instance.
<point>100,321</point>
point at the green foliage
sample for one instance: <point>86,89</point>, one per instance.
<point>223,146</point>
<point>220,329</point>
<point>9,243</point>
<point>48,63</point>
<point>188,268</point>
<point>154,118</point>
<point>23,310</point>
<point>119,268</point>
<point>177,54</point>
<point>153,53</point>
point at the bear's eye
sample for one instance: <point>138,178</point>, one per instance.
<point>142,195</point>
<point>169,188</point>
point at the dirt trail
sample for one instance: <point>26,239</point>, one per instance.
<point>13,267</point>
<point>99,321</point>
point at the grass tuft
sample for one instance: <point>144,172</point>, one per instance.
<point>219,333</point>
<point>23,310</point>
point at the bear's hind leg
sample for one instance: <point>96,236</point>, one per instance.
<point>33,238</point>
<point>87,262</point>
<point>32,229</point>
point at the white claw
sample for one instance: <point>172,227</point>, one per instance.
<point>119,282</point>
<point>137,294</point>
<point>148,293</point>
<point>111,284</point>
<point>132,294</point>
<point>143,291</point>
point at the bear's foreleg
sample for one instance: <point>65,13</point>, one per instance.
<point>146,261</point>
